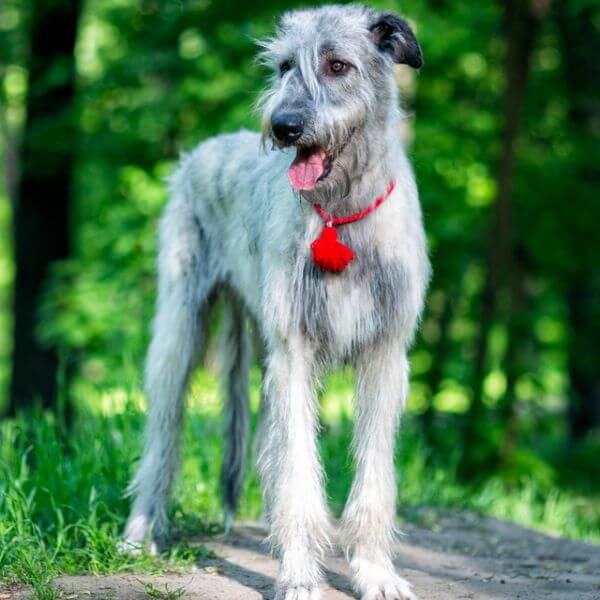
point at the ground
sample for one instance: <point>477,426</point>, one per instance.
<point>447,555</point>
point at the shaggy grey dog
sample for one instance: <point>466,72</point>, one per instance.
<point>242,221</point>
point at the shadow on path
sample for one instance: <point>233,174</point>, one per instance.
<point>238,552</point>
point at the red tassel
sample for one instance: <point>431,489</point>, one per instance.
<point>330,254</point>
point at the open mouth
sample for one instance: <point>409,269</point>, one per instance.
<point>311,165</point>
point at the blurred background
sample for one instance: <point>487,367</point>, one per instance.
<point>97,99</point>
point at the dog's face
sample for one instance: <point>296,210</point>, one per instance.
<point>332,76</point>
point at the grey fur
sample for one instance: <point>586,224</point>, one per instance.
<point>235,352</point>
<point>234,221</point>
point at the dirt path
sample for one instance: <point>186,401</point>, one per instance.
<point>447,556</point>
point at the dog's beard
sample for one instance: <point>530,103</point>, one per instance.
<point>355,159</point>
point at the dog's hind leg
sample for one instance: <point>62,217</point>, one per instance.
<point>185,281</point>
<point>234,351</point>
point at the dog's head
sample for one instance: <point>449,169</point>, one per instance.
<point>332,81</point>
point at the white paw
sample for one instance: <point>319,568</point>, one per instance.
<point>377,582</point>
<point>298,593</point>
<point>134,548</point>
<point>228,524</point>
<point>139,535</point>
<point>395,589</point>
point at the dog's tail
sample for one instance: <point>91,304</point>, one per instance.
<point>234,353</point>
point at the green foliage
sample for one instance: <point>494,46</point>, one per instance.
<point>155,78</point>
<point>61,499</point>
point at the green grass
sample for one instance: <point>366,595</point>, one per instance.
<point>156,593</point>
<point>62,508</point>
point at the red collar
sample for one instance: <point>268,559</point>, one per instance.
<point>330,220</point>
<point>327,252</point>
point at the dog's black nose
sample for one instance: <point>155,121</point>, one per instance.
<point>287,127</point>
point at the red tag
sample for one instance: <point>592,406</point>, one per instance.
<point>330,254</point>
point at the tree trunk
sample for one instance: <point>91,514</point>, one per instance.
<point>440,354</point>
<point>520,27</point>
<point>41,220</point>
<point>584,405</point>
<point>580,49</point>
<point>515,359</point>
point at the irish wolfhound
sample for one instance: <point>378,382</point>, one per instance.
<point>262,227</point>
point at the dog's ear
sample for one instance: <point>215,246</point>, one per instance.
<point>394,36</point>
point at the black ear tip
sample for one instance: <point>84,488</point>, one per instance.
<point>394,36</point>
<point>416,61</point>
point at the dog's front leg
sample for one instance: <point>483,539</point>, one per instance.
<point>291,471</point>
<point>368,521</point>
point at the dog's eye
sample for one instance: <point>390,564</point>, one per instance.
<point>284,67</point>
<point>337,67</point>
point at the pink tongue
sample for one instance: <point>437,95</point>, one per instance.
<point>306,169</point>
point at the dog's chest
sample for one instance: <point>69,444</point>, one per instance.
<point>343,312</point>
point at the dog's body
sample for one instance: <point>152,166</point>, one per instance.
<point>234,222</point>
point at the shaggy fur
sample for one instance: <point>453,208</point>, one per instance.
<point>235,223</point>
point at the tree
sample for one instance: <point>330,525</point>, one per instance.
<point>580,39</point>
<point>520,27</point>
<point>41,224</point>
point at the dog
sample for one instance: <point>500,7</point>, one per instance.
<point>320,242</point>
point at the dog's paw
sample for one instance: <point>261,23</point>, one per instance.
<point>376,582</point>
<point>298,593</point>
<point>228,522</point>
<point>395,589</point>
<point>139,537</point>
<point>134,548</point>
